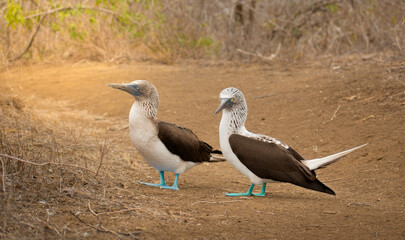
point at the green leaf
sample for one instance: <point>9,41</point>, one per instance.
<point>14,14</point>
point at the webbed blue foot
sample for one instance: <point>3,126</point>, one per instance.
<point>162,182</point>
<point>249,192</point>
<point>170,187</point>
<point>174,186</point>
<point>263,193</point>
<point>238,194</point>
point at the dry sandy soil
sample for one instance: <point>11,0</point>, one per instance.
<point>320,108</point>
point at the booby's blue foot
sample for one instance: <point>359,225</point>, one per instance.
<point>170,187</point>
<point>248,193</point>
<point>238,194</point>
<point>263,193</point>
<point>162,182</point>
<point>153,184</point>
<point>174,186</point>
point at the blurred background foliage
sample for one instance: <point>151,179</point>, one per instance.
<point>168,30</point>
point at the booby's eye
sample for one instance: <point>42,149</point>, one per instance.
<point>232,100</point>
<point>137,88</point>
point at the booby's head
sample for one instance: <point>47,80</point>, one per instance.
<point>231,99</point>
<point>144,92</point>
<point>140,89</point>
<point>234,107</point>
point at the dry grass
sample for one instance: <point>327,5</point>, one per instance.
<point>168,31</point>
<point>50,173</point>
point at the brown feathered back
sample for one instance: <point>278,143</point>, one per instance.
<point>183,142</point>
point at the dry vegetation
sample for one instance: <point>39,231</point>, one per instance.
<point>46,173</point>
<point>167,31</point>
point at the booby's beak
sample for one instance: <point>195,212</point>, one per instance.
<point>130,88</point>
<point>225,103</point>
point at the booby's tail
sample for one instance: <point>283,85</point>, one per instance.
<point>317,163</point>
<point>217,158</point>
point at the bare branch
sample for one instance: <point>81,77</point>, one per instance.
<point>30,41</point>
<point>46,163</point>
<point>61,9</point>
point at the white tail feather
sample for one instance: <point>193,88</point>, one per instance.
<point>215,158</point>
<point>316,163</point>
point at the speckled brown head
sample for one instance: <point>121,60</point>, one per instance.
<point>144,92</point>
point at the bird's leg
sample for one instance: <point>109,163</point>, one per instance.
<point>174,186</point>
<point>248,193</point>
<point>162,181</point>
<point>263,191</point>
<point>162,178</point>
<point>176,180</point>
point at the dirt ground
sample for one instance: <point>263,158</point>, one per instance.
<point>318,108</point>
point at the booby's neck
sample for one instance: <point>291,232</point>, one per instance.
<point>145,107</point>
<point>142,126</point>
<point>233,120</point>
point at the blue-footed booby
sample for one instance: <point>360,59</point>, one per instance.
<point>261,158</point>
<point>165,146</point>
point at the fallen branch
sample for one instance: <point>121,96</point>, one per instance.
<point>46,163</point>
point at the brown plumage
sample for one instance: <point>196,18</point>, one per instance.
<point>184,143</point>
<point>271,161</point>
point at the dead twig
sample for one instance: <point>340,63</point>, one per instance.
<point>46,163</point>
<point>366,118</point>
<point>91,210</point>
<point>103,149</point>
<point>113,212</point>
<point>102,229</point>
<point>48,225</point>
<point>359,204</point>
<point>3,176</point>
<point>334,114</point>
<point>221,202</point>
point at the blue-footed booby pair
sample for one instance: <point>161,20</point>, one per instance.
<point>165,146</point>
<point>262,158</point>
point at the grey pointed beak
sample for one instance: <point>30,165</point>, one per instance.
<point>120,86</point>
<point>130,88</point>
<point>224,104</point>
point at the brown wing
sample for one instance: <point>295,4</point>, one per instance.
<point>183,142</point>
<point>272,161</point>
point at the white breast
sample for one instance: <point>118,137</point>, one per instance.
<point>225,131</point>
<point>143,133</point>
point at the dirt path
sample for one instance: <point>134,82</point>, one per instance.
<point>318,109</point>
